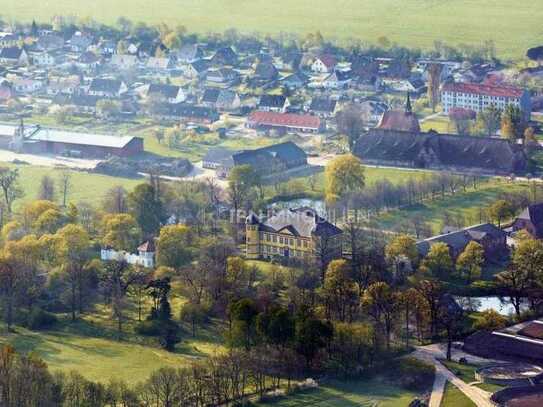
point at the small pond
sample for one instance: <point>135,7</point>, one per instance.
<point>485,303</point>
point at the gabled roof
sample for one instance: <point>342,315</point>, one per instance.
<point>302,222</point>
<point>533,213</point>
<point>484,89</point>
<point>459,240</point>
<point>225,55</point>
<point>266,70</point>
<point>285,119</point>
<point>339,76</point>
<point>328,60</point>
<point>200,65</point>
<point>105,85</point>
<point>272,101</point>
<point>323,104</point>
<point>296,77</point>
<point>399,120</point>
<point>11,53</point>
<point>164,90</point>
<point>493,154</point>
<point>71,137</point>
<point>219,154</point>
<point>282,152</point>
<point>189,110</point>
<point>211,95</point>
<point>147,247</point>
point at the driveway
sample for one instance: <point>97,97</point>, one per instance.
<point>431,354</point>
<point>48,160</point>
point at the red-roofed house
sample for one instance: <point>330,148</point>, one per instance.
<point>285,122</point>
<point>324,64</point>
<point>477,97</point>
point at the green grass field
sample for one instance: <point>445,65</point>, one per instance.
<point>92,346</point>
<point>349,394</point>
<point>513,25</point>
<point>86,187</point>
<point>455,398</point>
<point>465,204</point>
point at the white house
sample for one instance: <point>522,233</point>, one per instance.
<point>26,85</point>
<point>145,256</point>
<point>123,61</point>
<point>324,64</point>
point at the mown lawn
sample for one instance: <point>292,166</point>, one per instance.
<point>414,23</point>
<point>85,186</point>
<point>348,394</point>
<point>95,358</point>
<point>455,398</point>
<point>93,346</point>
<point>463,204</point>
<point>440,124</point>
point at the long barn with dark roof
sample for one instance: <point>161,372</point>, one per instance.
<point>441,152</point>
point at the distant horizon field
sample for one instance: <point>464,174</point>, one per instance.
<point>513,25</point>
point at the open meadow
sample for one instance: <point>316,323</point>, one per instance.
<point>512,25</point>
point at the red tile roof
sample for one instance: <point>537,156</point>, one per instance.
<point>328,60</point>
<point>147,246</point>
<point>399,120</point>
<point>480,89</point>
<point>532,330</point>
<point>285,120</point>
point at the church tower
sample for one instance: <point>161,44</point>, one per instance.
<point>252,236</point>
<point>17,142</point>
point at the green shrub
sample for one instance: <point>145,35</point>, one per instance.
<point>151,327</point>
<point>39,319</point>
<point>411,373</point>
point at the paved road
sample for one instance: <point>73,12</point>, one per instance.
<point>431,354</point>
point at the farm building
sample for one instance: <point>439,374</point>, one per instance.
<point>285,122</point>
<point>40,140</point>
<point>484,155</point>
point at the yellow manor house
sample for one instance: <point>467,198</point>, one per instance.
<point>293,233</point>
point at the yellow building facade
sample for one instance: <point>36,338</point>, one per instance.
<point>297,234</point>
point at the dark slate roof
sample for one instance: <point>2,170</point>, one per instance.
<point>284,152</point>
<point>84,100</point>
<point>77,100</point>
<point>189,110</point>
<point>105,85</point>
<point>211,95</point>
<point>167,91</point>
<point>323,105</point>
<point>301,222</point>
<point>266,70</point>
<point>272,101</point>
<point>200,65</point>
<point>533,213</point>
<point>11,52</point>
<point>340,76</point>
<point>459,240</point>
<point>225,55</point>
<point>219,155</point>
<point>441,150</point>
<point>296,78</point>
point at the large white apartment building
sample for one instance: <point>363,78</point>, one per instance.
<point>477,97</point>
